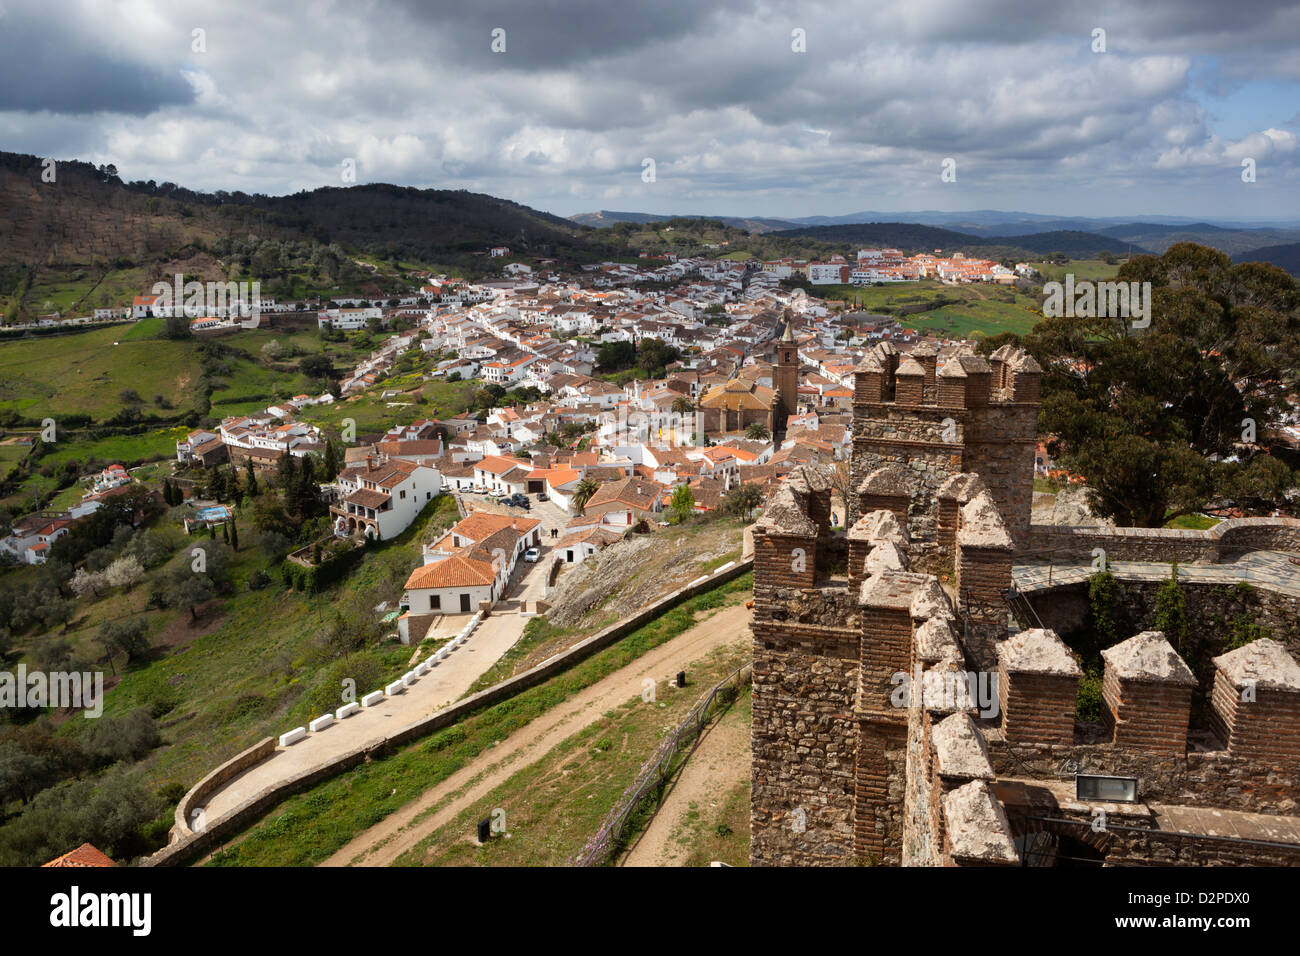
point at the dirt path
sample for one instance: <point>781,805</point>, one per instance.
<point>720,761</point>
<point>383,843</point>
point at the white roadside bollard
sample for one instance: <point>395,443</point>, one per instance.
<point>396,687</point>
<point>347,710</point>
<point>293,736</point>
<point>370,700</point>
<point>320,723</point>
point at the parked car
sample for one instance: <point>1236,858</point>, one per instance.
<point>532,555</point>
<point>520,501</point>
<point>541,496</point>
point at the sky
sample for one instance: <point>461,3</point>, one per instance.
<point>736,107</point>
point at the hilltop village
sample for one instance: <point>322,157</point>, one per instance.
<point>752,379</point>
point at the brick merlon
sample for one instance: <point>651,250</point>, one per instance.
<point>1263,662</point>
<point>982,525</point>
<point>1037,651</point>
<point>930,601</point>
<point>887,480</point>
<point>885,556</point>
<point>891,589</point>
<point>786,515</point>
<point>960,750</point>
<point>963,486</point>
<point>936,641</point>
<point>977,826</point>
<point>1148,657</point>
<point>880,525</point>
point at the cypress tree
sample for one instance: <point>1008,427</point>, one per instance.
<point>234,534</point>
<point>1171,611</point>
<point>331,467</point>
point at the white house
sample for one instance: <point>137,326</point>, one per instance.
<point>466,569</point>
<point>29,538</point>
<point>502,475</point>
<point>348,320</point>
<point>381,498</point>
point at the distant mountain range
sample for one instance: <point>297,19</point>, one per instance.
<point>1275,240</point>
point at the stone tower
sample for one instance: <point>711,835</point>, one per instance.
<point>972,415</point>
<point>943,464</point>
<point>786,377</point>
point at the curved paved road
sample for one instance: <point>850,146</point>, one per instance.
<point>383,843</point>
<point>444,684</point>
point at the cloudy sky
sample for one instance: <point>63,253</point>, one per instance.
<point>809,108</point>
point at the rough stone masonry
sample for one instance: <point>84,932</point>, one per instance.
<point>856,761</point>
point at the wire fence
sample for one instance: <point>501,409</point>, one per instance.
<point>654,774</point>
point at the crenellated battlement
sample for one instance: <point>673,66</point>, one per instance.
<point>971,415</point>
<point>896,717</point>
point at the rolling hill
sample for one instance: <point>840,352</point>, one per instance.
<point>753,224</point>
<point>911,236</point>
<point>88,237</point>
<point>1284,256</point>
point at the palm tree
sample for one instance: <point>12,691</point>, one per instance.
<point>758,432</point>
<point>683,406</point>
<point>583,492</point>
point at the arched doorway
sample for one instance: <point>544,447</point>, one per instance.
<point>1053,841</point>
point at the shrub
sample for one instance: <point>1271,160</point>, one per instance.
<point>1088,704</point>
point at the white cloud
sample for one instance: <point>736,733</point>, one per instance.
<point>732,116</point>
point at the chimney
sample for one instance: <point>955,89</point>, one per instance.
<point>370,462</point>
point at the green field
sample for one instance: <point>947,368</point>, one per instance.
<point>253,665</point>
<point>85,372</point>
<point>375,414</point>
<point>79,290</point>
<point>1092,269</point>
<point>979,319</point>
<point>967,311</point>
<point>127,449</point>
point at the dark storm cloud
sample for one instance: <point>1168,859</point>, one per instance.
<point>568,34</point>
<point>737,120</point>
<point>46,64</point>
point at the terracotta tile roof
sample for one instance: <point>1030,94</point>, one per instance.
<point>479,524</point>
<point>368,499</point>
<point>635,492</point>
<point>601,537</point>
<point>500,465</point>
<point>83,856</point>
<point>557,477</point>
<point>456,571</point>
<point>739,454</point>
<point>431,447</point>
